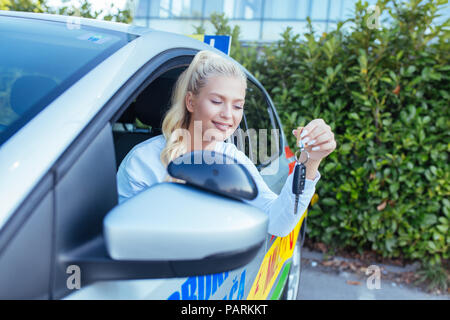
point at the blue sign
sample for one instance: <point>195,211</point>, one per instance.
<point>222,43</point>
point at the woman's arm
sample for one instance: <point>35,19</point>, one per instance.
<point>312,167</point>
<point>319,141</point>
<point>280,208</point>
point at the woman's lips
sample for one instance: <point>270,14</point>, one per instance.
<point>221,127</point>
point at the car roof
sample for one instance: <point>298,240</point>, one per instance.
<point>28,155</point>
<point>109,25</point>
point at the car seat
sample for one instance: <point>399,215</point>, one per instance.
<point>149,109</point>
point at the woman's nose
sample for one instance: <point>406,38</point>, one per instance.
<point>226,110</point>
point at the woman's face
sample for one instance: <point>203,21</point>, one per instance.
<point>219,106</point>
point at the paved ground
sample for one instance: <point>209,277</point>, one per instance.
<point>323,284</point>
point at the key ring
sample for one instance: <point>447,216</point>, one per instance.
<point>297,158</point>
<point>302,148</point>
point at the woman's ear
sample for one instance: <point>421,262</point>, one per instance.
<point>189,101</point>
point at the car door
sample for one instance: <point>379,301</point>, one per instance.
<point>89,178</point>
<point>238,283</point>
<point>25,246</point>
<point>58,227</point>
<point>29,84</point>
<point>267,148</point>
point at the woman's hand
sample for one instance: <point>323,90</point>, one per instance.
<point>318,140</point>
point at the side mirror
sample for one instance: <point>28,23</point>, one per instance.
<point>214,172</point>
<point>177,230</point>
<point>176,222</point>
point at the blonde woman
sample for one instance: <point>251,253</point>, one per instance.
<point>207,107</point>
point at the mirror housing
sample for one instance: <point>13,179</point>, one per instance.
<point>177,230</point>
<point>215,172</point>
<point>171,221</point>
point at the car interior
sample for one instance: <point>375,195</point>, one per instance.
<point>142,120</point>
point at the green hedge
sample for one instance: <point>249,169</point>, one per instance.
<point>385,92</point>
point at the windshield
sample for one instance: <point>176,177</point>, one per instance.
<point>40,59</point>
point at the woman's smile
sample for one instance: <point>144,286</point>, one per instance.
<point>222,126</point>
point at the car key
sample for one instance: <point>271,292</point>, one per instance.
<point>298,182</point>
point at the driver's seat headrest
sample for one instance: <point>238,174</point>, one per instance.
<point>153,102</point>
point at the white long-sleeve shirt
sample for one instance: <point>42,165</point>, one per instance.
<point>142,167</point>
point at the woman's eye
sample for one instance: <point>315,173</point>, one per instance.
<point>216,102</point>
<point>239,107</point>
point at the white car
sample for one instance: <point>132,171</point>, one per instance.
<point>75,97</point>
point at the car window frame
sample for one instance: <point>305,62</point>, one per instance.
<point>274,119</point>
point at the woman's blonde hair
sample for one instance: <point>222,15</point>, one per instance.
<point>204,65</point>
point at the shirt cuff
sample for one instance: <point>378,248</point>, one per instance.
<point>312,183</point>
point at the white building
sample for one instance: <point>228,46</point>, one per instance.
<point>260,20</point>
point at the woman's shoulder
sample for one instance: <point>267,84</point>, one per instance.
<point>153,144</point>
<point>146,150</point>
<point>141,167</point>
<point>227,148</point>
<point>231,150</point>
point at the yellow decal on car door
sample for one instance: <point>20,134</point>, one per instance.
<point>280,251</point>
